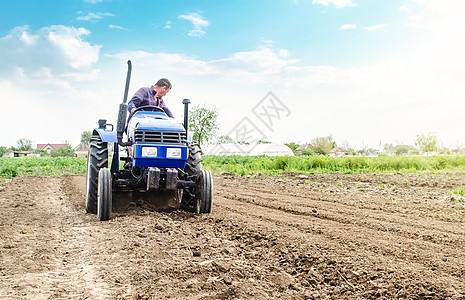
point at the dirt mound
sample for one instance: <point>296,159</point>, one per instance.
<point>330,236</point>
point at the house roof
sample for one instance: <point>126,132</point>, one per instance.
<point>54,146</point>
<point>301,147</point>
<point>81,147</point>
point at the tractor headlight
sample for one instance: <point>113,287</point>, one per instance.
<point>149,151</point>
<point>173,152</point>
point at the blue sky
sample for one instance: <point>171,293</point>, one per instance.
<point>365,72</point>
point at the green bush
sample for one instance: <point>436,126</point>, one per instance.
<point>8,172</point>
<point>62,152</point>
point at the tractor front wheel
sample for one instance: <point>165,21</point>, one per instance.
<point>104,195</point>
<point>203,203</point>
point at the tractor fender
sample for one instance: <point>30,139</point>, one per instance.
<point>107,135</point>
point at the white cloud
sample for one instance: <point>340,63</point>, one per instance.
<point>80,54</point>
<point>248,67</point>
<point>404,8</point>
<point>337,3</point>
<point>420,90</point>
<point>53,51</point>
<point>439,16</point>
<point>198,21</point>
<point>375,27</point>
<point>167,25</point>
<point>28,39</point>
<point>348,26</point>
<point>390,100</point>
<point>117,27</point>
<point>94,16</point>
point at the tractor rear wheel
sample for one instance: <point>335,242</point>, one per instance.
<point>97,158</point>
<point>192,170</point>
<point>203,203</point>
<point>194,161</point>
<point>104,195</point>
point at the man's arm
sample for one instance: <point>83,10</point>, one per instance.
<point>165,108</point>
<point>136,100</point>
<point>168,112</point>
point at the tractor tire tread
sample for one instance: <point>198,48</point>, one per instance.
<point>97,159</point>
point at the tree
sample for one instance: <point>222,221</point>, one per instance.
<point>85,137</point>
<point>321,145</point>
<point>3,150</point>
<point>41,152</point>
<point>203,121</point>
<point>68,151</point>
<point>307,152</point>
<point>388,148</point>
<point>426,143</point>
<point>23,145</point>
<point>293,146</point>
<point>401,150</point>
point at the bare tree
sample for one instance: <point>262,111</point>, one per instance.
<point>23,145</point>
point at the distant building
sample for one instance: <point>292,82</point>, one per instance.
<point>81,150</point>
<point>50,147</point>
<point>337,152</point>
<point>299,149</point>
<point>19,154</point>
<point>272,149</point>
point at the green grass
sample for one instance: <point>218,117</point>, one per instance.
<point>41,166</point>
<point>323,164</point>
<point>56,166</point>
<point>458,192</point>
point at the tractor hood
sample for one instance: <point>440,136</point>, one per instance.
<point>154,121</point>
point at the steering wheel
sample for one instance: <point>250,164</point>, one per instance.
<point>148,108</point>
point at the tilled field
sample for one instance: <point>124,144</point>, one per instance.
<point>330,236</point>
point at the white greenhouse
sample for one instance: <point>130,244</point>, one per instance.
<point>273,149</point>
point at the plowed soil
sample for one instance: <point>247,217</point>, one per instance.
<point>330,236</point>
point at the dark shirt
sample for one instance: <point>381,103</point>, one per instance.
<point>146,96</point>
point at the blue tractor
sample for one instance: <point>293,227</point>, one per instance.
<point>161,160</point>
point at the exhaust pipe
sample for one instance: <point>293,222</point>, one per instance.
<point>186,103</point>
<point>123,110</point>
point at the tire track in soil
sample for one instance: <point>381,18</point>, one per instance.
<point>46,236</point>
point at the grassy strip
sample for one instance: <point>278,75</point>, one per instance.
<point>41,166</point>
<point>56,166</point>
<point>323,164</point>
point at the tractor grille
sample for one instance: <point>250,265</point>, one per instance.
<point>167,137</point>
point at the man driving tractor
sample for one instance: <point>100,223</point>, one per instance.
<point>151,96</point>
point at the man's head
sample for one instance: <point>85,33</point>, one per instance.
<point>162,87</point>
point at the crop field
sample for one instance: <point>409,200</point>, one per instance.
<point>281,228</point>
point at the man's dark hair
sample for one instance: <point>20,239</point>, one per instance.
<point>164,83</point>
